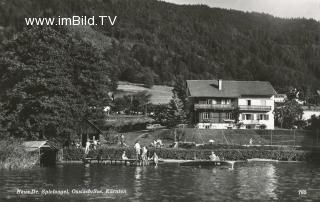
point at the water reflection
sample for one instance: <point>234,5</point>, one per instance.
<point>258,181</point>
<point>87,178</point>
<point>137,183</point>
<point>248,181</point>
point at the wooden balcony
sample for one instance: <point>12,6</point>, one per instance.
<point>214,106</point>
<point>254,108</point>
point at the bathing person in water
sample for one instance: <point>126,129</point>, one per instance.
<point>155,158</point>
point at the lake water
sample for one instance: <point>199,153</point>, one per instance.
<point>168,182</point>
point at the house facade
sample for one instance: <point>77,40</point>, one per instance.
<point>222,104</point>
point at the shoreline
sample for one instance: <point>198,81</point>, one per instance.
<point>172,155</point>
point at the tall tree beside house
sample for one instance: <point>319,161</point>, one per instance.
<point>236,115</point>
<point>180,90</point>
<point>176,112</point>
<point>288,114</point>
<point>50,80</point>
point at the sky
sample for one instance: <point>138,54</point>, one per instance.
<point>279,8</point>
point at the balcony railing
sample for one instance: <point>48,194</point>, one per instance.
<point>214,106</point>
<point>254,108</point>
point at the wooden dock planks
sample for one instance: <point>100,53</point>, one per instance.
<point>130,162</point>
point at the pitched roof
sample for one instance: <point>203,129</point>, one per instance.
<point>230,88</point>
<point>34,145</point>
<point>94,126</point>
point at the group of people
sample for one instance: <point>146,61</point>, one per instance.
<point>142,154</point>
<point>157,143</point>
<point>214,157</point>
<point>91,145</point>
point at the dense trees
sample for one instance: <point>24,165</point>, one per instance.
<point>289,114</point>
<point>133,103</point>
<point>156,42</point>
<point>172,114</point>
<point>50,82</point>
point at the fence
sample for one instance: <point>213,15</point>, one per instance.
<point>302,138</point>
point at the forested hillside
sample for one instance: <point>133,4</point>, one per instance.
<point>152,42</point>
<point>156,42</point>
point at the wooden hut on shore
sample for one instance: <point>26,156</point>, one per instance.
<point>47,151</point>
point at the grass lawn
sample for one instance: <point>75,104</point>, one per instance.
<point>146,137</point>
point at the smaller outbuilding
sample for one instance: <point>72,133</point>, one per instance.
<point>309,111</point>
<point>46,150</point>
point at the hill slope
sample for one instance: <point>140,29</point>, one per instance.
<point>155,42</point>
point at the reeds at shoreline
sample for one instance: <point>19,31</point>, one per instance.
<point>14,156</point>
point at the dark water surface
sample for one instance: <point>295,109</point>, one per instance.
<point>168,182</point>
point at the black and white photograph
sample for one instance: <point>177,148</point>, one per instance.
<point>159,100</point>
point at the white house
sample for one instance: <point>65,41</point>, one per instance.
<point>215,101</point>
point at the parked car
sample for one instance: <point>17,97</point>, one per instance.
<point>154,126</point>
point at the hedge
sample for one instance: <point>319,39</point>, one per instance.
<point>228,154</point>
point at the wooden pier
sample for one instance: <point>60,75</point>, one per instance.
<point>129,162</point>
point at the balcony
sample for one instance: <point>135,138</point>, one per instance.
<point>254,108</point>
<point>214,106</point>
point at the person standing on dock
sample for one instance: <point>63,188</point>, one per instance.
<point>137,147</point>
<point>95,143</point>
<point>144,155</point>
<point>87,147</point>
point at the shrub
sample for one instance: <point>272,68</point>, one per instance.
<point>14,156</point>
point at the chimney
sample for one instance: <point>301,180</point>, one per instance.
<point>220,84</point>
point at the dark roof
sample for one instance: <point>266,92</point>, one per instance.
<point>230,88</point>
<point>93,126</point>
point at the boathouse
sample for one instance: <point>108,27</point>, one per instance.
<point>46,150</point>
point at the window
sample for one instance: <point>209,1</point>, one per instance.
<point>248,117</point>
<point>209,102</point>
<point>228,101</point>
<point>249,102</point>
<point>223,101</point>
<point>263,116</point>
<point>207,127</point>
<point>205,115</point>
<point>229,116</point>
